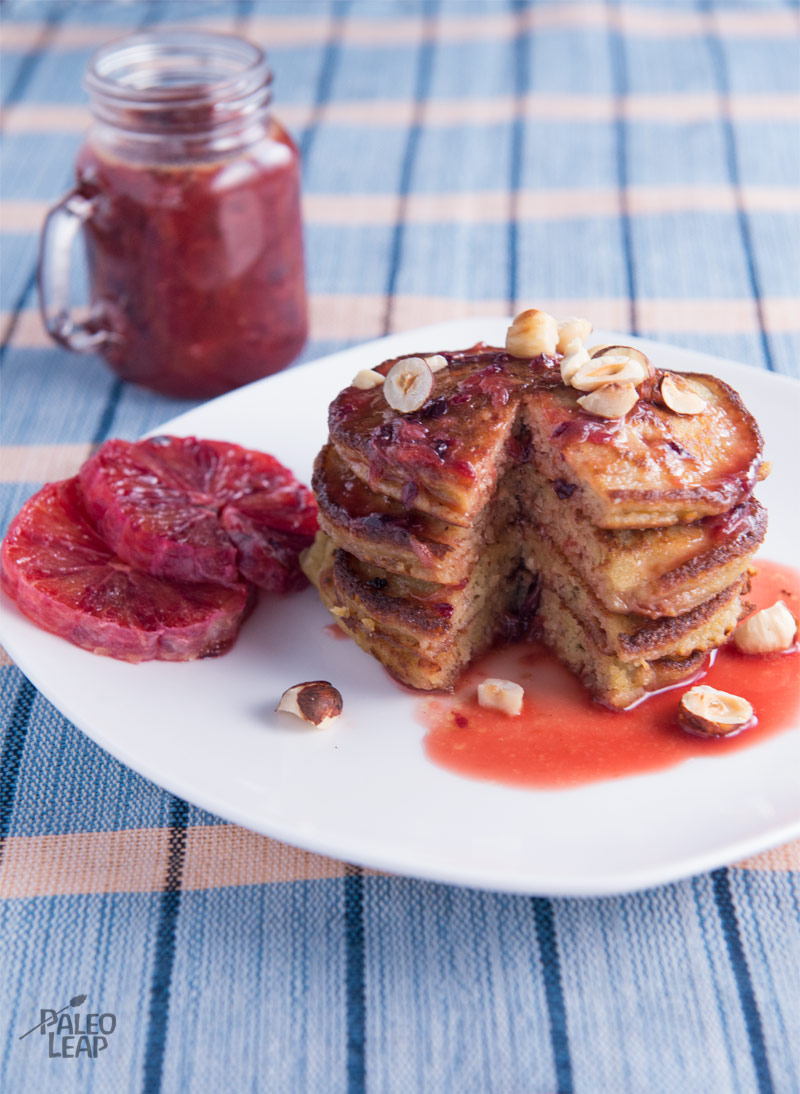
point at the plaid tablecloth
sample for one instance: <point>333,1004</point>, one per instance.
<point>634,162</point>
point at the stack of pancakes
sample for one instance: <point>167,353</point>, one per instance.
<point>500,509</point>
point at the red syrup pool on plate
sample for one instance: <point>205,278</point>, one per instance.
<point>563,738</point>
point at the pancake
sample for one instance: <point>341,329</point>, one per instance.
<point>616,684</point>
<point>402,540</point>
<point>652,469</point>
<point>424,634</point>
<point>654,572</point>
<point>626,636</point>
<point>449,455</point>
<point>500,508</point>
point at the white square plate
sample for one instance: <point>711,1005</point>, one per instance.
<point>363,790</point>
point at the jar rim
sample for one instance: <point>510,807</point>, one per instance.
<point>171,67</point>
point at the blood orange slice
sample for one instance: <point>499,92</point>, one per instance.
<point>196,510</point>
<point>67,580</point>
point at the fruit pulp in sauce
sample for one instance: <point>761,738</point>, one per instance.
<point>196,269</point>
<point>564,739</point>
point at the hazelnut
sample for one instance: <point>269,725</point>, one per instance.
<point>436,363</point>
<point>623,351</point>
<point>315,701</point>
<point>574,358</point>
<point>572,329</point>
<point>610,368</point>
<point>679,396</point>
<point>367,378</point>
<point>502,695</point>
<point>532,333</point>
<point>706,712</point>
<point>770,630</point>
<point>408,384</point>
<point>610,400</point>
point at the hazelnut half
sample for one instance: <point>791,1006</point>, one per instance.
<point>770,630</point>
<point>706,712</point>
<point>679,396</point>
<point>315,701</point>
<point>502,695</point>
<point>623,351</point>
<point>532,333</point>
<point>574,358</point>
<point>408,384</point>
<point>610,368</point>
<point>367,378</point>
<point>610,400</point>
<point>572,329</point>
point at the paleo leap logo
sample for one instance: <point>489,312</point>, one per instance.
<point>72,1035</point>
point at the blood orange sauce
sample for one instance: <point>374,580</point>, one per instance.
<point>196,269</point>
<point>564,739</point>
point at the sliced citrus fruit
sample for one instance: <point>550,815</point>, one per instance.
<point>66,579</point>
<point>196,510</point>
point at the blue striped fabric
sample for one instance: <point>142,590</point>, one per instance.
<point>458,157</point>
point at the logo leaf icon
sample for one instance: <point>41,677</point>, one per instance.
<point>75,1001</point>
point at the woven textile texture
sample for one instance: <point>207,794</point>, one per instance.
<point>638,163</point>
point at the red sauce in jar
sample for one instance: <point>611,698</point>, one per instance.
<point>564,739</point>
<point>197,269</point>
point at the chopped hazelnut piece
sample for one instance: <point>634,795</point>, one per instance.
<point>770,630</point>
<point>706,712</point>
<point>680,397</point>
<point>502,695</point>
<point>367,378</point>
<point>532,333</point>
<point>610,368</point>
<point>570,330</point>
<point>315,701</point>
<point>610,400</point>
<point>574,358</point>
<point>408,384</point>
<point>623,351</point>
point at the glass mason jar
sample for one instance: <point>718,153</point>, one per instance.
<point>188,194</point>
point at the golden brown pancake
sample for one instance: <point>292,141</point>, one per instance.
<point>653,468</point>
<point>500,508</point>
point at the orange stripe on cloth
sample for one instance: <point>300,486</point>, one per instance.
<point>276,31</point>
<point>132,861</point>
<point>24,36</point>
<point>778,858</point>
<point>136,860</point>
<point>22,216</point>
<point>559,108</point>
<point>492,206</point>
<point>41,462</point>
<point>25,329</point>
<point>45,118</point>
<point>344,317</point>
<point>218,856</point>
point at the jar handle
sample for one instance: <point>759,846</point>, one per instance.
<point>60,228</point>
